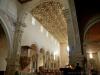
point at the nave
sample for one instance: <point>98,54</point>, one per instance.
<point>49,37</point>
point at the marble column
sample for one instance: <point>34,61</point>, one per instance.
<point>75,54</point>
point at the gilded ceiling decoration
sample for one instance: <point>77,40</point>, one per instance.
<point>50,15</point>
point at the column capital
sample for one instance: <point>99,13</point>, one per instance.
<point>21,17</point>
<point>20,24</point>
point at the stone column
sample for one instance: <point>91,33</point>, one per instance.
<point>75,55</point>
<point>64,55</point>
<point>13,60</point>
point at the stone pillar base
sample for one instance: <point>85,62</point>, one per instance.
<point>11,66</point>
<point>10,70</point>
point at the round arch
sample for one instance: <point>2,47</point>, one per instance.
<point>86,45</point>
<point>90,23</point>
<point>6,25</point>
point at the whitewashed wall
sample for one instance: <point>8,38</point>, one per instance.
<point>32,34</point>
<point>10,7</point>
<point>3,4</point>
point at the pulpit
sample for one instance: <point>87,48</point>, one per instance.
<point>25,58</point>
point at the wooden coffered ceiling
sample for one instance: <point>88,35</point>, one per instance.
<point>50,15</point>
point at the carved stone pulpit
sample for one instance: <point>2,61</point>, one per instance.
<point>25,57</point>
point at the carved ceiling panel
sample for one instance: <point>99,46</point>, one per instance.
<point>50,15</point>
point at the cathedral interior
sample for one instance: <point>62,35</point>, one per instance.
<point>43,37</point>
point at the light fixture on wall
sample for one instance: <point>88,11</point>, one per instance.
<point>90,55</point>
